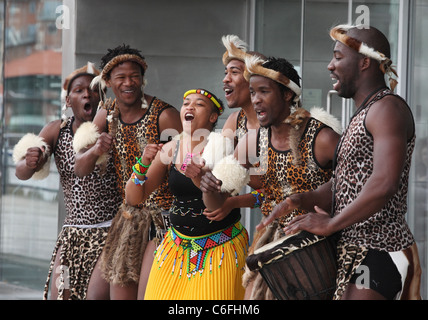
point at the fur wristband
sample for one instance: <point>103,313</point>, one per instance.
<point>232,174</point>
<point>218,147</point>
<point>86,135</point>
<point>30,140</point>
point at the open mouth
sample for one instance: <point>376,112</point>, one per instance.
<point>336,82</point>
<point>128,92</point>
<point>261,114</point>
<point>228,91</point>
<point>189,117</point>
<point>87,107</point>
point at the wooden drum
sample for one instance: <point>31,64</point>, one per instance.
<point>298,267</point>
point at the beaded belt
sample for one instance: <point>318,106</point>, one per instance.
<point>197,248</point>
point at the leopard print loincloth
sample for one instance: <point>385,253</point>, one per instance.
<point>79,250</point>
<point>349,258</point>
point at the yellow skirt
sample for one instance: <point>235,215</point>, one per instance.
<point>199,268</point>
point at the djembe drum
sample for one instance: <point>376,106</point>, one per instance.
<point>298,267</point>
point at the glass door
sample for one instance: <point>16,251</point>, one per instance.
<point>298,30</point>
<point>418,77</point>
<point>32,87</point>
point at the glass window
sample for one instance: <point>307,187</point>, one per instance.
<point>32,81</point>
<point>280,32</point>
<point>418,198</point>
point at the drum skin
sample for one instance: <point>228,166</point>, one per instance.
<point>298,267</point>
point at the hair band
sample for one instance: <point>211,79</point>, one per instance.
<point>339,33</point>
<point>207,94</point>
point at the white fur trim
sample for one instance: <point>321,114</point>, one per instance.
<point>321,115</point>
<point>98,81</point>
<point>235,49</point>
<point>87,134</point>
<point>90,67</point>
<point>372,53</point>
<point>236,41</point>
<point>254,66</point>
<point>232,174</point>
<point>218,147</point>
<point>31,140</point>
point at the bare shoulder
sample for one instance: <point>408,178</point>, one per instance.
<point>169,119</point>
<point>327,136</point>
<point>390,114</point>
<point>231,120</point>
<point>229,126</point>
<point>50,132</point>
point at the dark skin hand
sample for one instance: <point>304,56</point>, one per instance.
<point>34,158</point>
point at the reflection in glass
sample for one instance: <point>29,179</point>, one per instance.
<point>32,88</point>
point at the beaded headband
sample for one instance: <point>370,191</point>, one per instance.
<point>254,66</point>
<point>339,33</point>
<point>207,94</point>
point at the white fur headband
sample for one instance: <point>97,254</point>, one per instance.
<point>235,48</point>
<point>339,33</point>
<point>254,66</point>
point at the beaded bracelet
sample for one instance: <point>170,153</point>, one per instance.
<point>140,168</point>
<point>137,181</point>
<point>256,194</point>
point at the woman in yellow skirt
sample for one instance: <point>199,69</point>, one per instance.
<point>199,257</point>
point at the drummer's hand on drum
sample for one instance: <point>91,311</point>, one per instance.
<point>289,204</point>
<point>317,222</point>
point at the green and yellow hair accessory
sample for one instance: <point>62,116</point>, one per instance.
<point>209,95</point>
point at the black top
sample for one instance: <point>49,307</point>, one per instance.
<point>186,213</point>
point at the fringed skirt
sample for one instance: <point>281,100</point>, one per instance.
<point>80,250</point>
<point>126,243</point>
<point>199,268</point>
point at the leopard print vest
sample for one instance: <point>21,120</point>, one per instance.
<point>387,229</point>
<point>241,125</point>
<point>283,177</point>
<point>130,141</point>
<point>89,200</point>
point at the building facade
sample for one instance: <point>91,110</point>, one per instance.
<point>44,40</point>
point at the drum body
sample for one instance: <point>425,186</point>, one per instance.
<point>298,267</point>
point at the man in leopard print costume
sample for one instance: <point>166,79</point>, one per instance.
<point>125,126</point>
<point>239,122</point>
<point>295,152</point>
<point>90,203</point>
<point>377,254</point>
<point>236,89</point>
